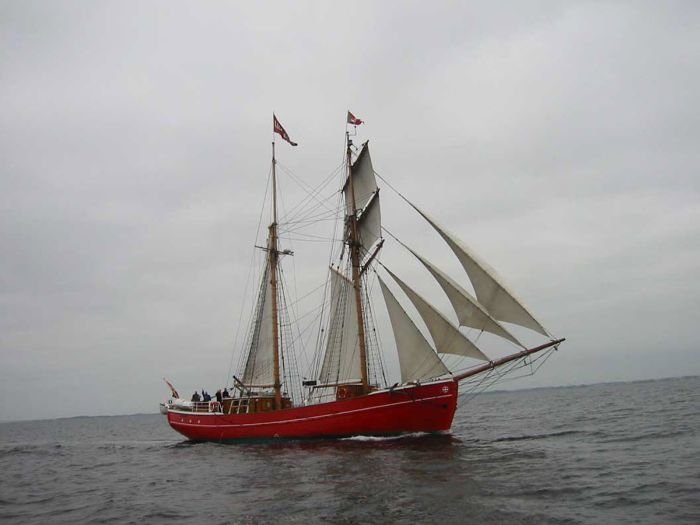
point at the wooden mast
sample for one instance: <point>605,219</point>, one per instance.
<point>273,256</point>
<point>356,277</point>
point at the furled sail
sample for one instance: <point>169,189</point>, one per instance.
<point>259,367</point>
<point>417,359</point>
<point>364,182</point>
<point>493,295</point>
<point>447,337</point>
<point>341,362</point>
<point>469,312</point>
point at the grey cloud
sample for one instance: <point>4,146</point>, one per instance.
<point>134,147</point>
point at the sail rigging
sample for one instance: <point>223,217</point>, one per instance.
<point>263,363</point>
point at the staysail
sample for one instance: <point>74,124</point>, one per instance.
<point>492,294</point>
<point>417,359</point>
<point>468,310</point>
<point>447,337</point>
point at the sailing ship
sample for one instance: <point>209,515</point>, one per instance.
<point>348,393</point>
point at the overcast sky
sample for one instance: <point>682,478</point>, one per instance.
<point>559,139</point>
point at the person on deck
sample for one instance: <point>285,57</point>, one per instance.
<point>195,396</point>
<point>225,393</point>
<point>206,396</point>
<point>219,397</point>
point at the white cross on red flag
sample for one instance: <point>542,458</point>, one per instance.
<point>352,119</point>
<point>277,128</point>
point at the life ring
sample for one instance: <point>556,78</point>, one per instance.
<point>213,406</point>
<point>341,392</point>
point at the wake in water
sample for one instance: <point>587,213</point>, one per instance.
<point>413,435</point>
<point>539,436</point>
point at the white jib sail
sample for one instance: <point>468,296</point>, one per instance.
<point>259,367</point>
<point>417,359</point>
<point>447,337</point>
<point>493,295</point>
<point>363,181</point>
<point>468,310</point>
<point>341,362</point>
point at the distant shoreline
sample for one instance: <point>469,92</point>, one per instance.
<point>486,392</point>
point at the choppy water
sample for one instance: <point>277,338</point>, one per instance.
<point>609,453</point>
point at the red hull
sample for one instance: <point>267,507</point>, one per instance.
<point>416,408</point>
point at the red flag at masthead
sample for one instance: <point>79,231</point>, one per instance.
<point>277,128</point>
<point>352,119</point>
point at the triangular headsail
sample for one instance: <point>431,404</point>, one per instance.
<point>492,294</point>
<point>469,312</point>
<point>447,337</point>
<point>417,360</point>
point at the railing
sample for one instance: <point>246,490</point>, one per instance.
<point>232,406</point>
<point>198,406</point>
<point>237,405</point>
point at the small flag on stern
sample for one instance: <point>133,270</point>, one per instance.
<point>352,119</point>
<point>277,128</point>
<point>172,389</point>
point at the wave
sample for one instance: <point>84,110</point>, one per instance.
<point>539,436</point>
<point>647,436</point>
<point>41,449</point>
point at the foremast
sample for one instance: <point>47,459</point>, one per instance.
<point>273,260</point>
<point>265,365</point>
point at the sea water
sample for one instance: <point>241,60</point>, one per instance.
<point>607,453</point>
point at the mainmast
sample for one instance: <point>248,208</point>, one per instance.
<point>354,245</point>
<point>273,258</point>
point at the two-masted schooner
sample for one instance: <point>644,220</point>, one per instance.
<point>348,394</point>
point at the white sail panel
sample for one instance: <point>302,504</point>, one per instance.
<point>259,367</point>
<point>363,181</point>
<point>417,359</point>
<point>493,295</point>
<point>447,337</point>
<point>341,362</point>
<point>469,312</point>
<point>370,224</point>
